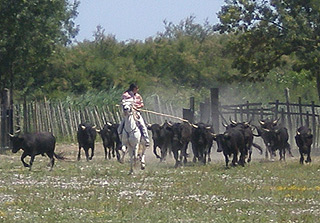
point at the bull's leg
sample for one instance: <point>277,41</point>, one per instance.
<point>117,148</point>
<point>271,153</point>
<point>79,153</point>
<point>155,151</point>
<point>175,155</point>
<point>308,156</point>
<point>92,152</point>
<point>50,155</point>
<point>266,154</point>
<point>250,154</point>
<point>227,160</point>
<point>86,151</point>
<point>118,155</point>
<point>204,160</point>
<point>242,159</point>
<point>113,148</point>
<point>282,153</point>
<point>22,159</point>
<point>163,153</point>
<point>184,153</point>
<point>195,154</point>
<point>235,159</point>
<point>31,161</point>
<point>109,153</point>
<point>301,156</point>
<point>200,156</point>
<point>209,152</point>
<point>105,152</point>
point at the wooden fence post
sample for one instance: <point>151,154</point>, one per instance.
<point>5,118</point>
<point>289,115</point>
<point>314,125</point>
<point>214,92</point>
<point>248,113</point>
<point>300,111</point>
<point>276,111</point>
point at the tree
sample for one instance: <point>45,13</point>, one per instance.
<point>267,32</point>
<point>29,32</point>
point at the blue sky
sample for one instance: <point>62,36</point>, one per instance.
<point>140,19</point>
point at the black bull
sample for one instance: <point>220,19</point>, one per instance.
<point>34,144</point>
<point>162,136</point>
<point>202,139</point>
<point>275,138</point>
<point>304,140</point>
<point>246,129</point>
<point>181,136</point>
<point>111,140</point>
<point>232,142</point>
<point>86,136</point>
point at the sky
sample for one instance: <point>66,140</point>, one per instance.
<point>140,19</point>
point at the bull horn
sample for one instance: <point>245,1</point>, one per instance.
<point>261,122</point>
<point>195,126</point>
<point>83,127</point>
<point>224,125</point>
<point>233,122</point>
<point>208,127</point>
<point>169,124</point>
<point>267,130</point>
<point>276,121</point>
<point>298,133</point>
<point>214,135</point>
<point>109,123</point>
<point>94,126</point>
<point>98,130</point>
<point>11,135</point>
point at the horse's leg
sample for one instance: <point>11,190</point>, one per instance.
<point>142,156</point>
<point>132,159</point>
<point>123,150</point>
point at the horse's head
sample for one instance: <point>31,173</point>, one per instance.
<point>127,108</point>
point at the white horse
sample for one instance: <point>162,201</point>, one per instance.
<point>131,136</point>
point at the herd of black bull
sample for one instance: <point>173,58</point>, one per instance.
<point>175,137</point>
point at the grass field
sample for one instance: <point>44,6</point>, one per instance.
<point>102,191</point>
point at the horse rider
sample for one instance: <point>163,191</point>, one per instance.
<point>132,95</point>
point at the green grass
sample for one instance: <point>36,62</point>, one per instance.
<point>102,191</point>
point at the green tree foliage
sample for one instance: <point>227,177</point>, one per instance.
<point>29,33</point>
<point>179,56</point>
<point>267,32</point>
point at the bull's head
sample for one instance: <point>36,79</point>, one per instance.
<point>17,142</point>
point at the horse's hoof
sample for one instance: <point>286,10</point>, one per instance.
<point>143,166</point>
